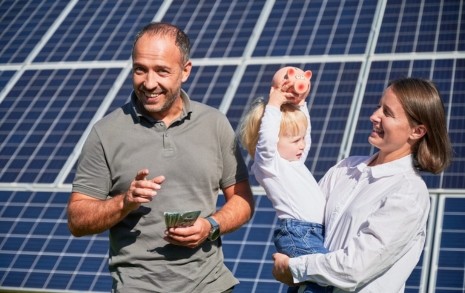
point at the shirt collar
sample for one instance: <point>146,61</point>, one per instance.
<point>137,113</point>
<point>386,169</point>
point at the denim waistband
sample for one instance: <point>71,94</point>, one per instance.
<point>301,223</point>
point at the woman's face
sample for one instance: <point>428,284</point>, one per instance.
<point>392,133</point>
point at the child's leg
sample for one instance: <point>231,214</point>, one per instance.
<point>295,238</point>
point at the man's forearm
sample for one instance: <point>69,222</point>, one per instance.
<point>87,216</point>
<point>238,209</point>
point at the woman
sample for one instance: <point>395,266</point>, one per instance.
<point>378,206</point>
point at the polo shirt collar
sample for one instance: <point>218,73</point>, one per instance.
<point>137,113</point>
<point>386,169</point>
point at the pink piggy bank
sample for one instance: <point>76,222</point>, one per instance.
<point>301,79</point>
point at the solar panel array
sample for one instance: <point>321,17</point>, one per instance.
<point>66,64</point>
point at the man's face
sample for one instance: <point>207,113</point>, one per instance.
<point>158,73</point>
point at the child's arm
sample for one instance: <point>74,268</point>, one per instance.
<point>308,139</point>
<point>279,96</point>
<point>266,151</point>
<point>267,145</point>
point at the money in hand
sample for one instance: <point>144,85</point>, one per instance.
<point>180,219</point>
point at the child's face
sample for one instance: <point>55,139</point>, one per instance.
<point>291,146</point>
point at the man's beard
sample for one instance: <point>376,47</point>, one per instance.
<point>168,103</point>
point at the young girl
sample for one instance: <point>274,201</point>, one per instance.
<point>277,136</point>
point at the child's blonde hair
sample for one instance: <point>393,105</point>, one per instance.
<point>291,120</point>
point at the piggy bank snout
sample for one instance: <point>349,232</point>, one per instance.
<point>300,86</point>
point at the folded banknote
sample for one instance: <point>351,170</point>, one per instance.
<point>180,219</point>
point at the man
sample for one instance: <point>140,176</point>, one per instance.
<point>159,153</point>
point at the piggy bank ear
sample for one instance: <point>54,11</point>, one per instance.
<point>291,73</point>
<point>308,74</point>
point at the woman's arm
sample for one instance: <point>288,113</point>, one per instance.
<point>384,238</point>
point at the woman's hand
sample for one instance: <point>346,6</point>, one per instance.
<point>281,271</point>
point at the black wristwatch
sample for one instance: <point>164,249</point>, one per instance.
<point>214,231</point>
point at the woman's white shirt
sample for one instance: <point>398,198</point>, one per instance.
<point>290,186</point>
<point>375,227</point>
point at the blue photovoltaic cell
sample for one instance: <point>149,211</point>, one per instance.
<point>123,95</point>
<point>44,116</point>
<point>248,251</point>
<point>46,255</point>
<point>453,177</point>
<point>316,28</point>
<point>208,84</point>
<point>421,26</point>
<point>451,260</point>
<point>98,30</point>
<point>216,28</point>
<point>25,25</point>
<point>5,77</point>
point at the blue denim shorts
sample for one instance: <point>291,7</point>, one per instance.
<point>295,238</point>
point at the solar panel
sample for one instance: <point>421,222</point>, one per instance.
<point>421,26</point>
<point>66,64</point>
<point>23,24</point>
<point>98,30</point>
<point>5,76</point>
<point>299,28</point>
<point>43,117</point>
<point>37,250</point>
<point>449,257</point>
<point>217,28</point>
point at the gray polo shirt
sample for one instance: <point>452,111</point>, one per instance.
<point>198,155</point>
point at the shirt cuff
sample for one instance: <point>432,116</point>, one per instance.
<point>272,108</point>
<point>298,267</point>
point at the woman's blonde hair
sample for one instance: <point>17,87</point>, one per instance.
<point>422,102</point>
<point>291,120</point>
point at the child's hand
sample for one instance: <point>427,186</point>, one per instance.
<point>299,100</point>
<point>279,95</point>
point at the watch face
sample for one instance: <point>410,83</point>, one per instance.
<point>214,233</point>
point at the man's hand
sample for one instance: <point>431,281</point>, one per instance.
<point>141,190</point>
<point>88,215</point>
<point>281,271</point>
<point>191,236</point>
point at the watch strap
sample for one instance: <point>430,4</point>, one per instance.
<point>214,230</point>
